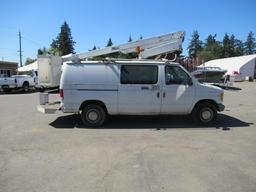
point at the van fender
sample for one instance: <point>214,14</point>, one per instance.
<point>88,102</point>
<point>204,101</point>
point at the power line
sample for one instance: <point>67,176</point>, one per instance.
<point>6,48</point>
<point>31,41</point>
<point>8,53</point>
<point>21,37</point>
<point>20,50</point>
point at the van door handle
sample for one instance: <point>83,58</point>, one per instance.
<point>155,87</point>
<point>144,88</point>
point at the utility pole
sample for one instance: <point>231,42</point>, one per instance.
<point>20,50</point>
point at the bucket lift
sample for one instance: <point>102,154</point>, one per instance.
<point>49,67</point>
<point>144,47</point>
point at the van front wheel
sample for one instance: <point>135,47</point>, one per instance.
<point>204,114</point>
<point>93,115</point>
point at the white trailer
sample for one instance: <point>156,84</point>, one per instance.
<point>239,68</point>
<point>49,71</point>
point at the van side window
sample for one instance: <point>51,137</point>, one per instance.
<point>175,75</point>
<point>139,74</point>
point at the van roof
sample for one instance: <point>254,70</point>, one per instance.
<point>156,62</point>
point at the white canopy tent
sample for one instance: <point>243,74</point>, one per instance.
<point>240,67</point>
<point>29,67</point>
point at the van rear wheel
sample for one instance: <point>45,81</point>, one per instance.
<point>93,115</point>
<point>204,114</point>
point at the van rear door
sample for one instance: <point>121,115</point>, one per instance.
<point>139,89</point>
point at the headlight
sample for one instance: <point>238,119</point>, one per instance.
<point>221,96</point>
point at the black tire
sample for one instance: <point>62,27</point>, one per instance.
<point>41,89</point>
<point>6,90</point>
<point>93,115</point>
<point>204,114</point>
<point>25,87</point>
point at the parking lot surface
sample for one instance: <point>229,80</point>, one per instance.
<point>57,153</point>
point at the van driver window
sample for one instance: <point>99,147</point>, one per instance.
<point>139,74</point>
<point>175,75</point>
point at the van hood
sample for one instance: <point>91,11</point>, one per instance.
<point>210,88</point>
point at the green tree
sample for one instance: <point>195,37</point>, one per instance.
<point>63,44</point>
<point>228,46</point>
<point>130,38</point>
<point>55,44</point>
<point>250,44</point>
<point>239,47</point>
<point>43,51</point>
<point>29,61</point>
<point>110,43</point>
<point>232,45</point>
<point>211,40</point>
<point>212,49</point>
<point>195,45</point>
<point>40,51</point>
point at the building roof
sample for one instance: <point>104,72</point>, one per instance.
<point>8,62</point>
<point>231,64</point>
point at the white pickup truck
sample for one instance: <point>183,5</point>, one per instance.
<point>22,82</point>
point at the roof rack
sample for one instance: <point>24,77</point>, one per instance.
<point>116,60</point>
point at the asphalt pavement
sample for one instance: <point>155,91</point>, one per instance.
<point>57,153</point>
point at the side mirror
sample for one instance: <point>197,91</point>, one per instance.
<point>190,81</point>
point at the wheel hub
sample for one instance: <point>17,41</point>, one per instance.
<point>206,115</point>
<point>93,116</point>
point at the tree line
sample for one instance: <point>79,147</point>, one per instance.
<point>64,44</point>
<point>211,48</point>
<point>206,50</point>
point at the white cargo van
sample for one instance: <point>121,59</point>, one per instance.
<point>97,89</point>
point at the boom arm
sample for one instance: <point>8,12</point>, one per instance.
<point>147,47</point>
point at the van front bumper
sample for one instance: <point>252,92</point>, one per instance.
<point>221,107</point>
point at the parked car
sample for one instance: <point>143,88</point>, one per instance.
<point>96,89</point>
<point>22,82</point>
<point>7,83</point>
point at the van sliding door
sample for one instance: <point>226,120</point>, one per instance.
<point>139,89</point>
